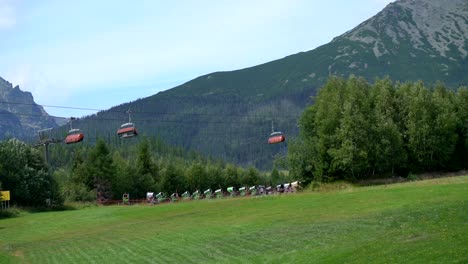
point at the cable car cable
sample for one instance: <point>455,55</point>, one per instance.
<point>147,112</point>
<point>139,120</point>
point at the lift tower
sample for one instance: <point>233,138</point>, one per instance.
<point>45,139</point>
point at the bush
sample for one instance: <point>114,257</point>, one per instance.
<point>78,192</point>
<point>412,177</point>
<point>317,186</point>
<point>10,212</point>
<point>79,205</point>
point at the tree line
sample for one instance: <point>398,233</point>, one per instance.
<point>103,172</point>
<point>355,130</point>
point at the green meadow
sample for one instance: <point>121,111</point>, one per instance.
<point>416,222</point>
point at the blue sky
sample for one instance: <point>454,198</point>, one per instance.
<point>97,54</point>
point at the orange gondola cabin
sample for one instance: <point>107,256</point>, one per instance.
<point>74,136</point>
<point>276,137</point>
<point>127,130</point>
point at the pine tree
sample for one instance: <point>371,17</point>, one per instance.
<point>100,170</point>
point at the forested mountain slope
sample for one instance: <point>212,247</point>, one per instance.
<point>229,114</point>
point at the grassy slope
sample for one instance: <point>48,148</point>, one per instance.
<point>407,223</point>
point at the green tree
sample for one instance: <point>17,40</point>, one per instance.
<point>350,151</point>
<point>431,126</point>
<point>122,182</point>
<point>356,130</point>
<point>231,176</point>
<point>387,138</point>
<point>319,126</point>
<point>444,126</point>
<point>195,177</point>
<point>25,174</point>
<point>144,162</point>
<point>214,174</point>
<point>145,174</point>
<point>275,177</point>
<point>71,189</point>
<point>100,170</point>
<point>461,154</point>
<point>250,177</point>
<point>172,180</point>
<point>304,160</point>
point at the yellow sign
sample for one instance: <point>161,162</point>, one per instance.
<point>5,196</point>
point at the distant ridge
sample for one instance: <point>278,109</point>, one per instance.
<point>20,116</point>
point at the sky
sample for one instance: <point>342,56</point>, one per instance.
<point>98,54</point>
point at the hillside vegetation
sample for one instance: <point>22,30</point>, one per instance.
<point>357,130</point>
<point>422,222</point>
<point>101,172</point>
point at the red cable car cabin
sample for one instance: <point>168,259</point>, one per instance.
<point>74,136</point>
<point>276,137</point>
<point>127,130</point>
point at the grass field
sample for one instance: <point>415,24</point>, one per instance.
<point>417,222</point>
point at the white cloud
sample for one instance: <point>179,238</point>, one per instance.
<point>7,14</point>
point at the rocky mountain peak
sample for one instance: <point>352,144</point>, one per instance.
<point>17,106</point>
<point>439,27</point>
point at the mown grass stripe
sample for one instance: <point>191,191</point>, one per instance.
<point>114,248</point>
<point>421,222</point>
<point>178,251</point>
<point>125,247</point>
<point>66,255</point>
<point>153,251</point>
<point>83,252</point>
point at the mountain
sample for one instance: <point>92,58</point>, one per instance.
<point>230,114</point>
<point>20,116</point>
<point>409,40</point>
<point>10,125</point>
